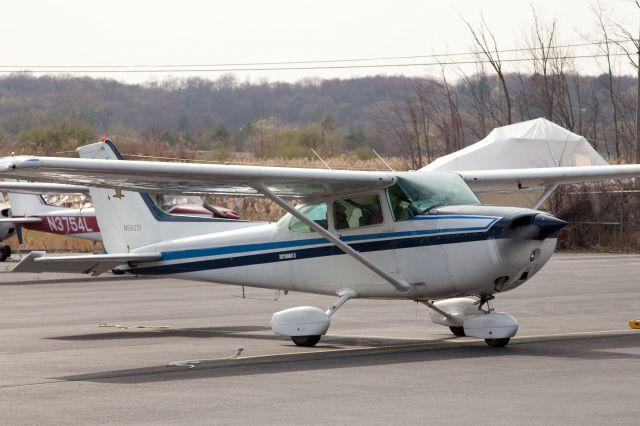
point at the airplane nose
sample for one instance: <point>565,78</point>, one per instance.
<point>528,226</point>
<point>547,225</point>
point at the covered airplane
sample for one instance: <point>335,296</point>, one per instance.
<point>419,236</point>
<point>530,144</point>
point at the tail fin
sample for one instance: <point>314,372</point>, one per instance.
<point>131,220</point>
<point>29,204</point>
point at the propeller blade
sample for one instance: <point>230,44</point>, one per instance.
<point>547,225</point>
<point>536,226</point>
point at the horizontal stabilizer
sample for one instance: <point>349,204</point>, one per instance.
<point>20,220</point>
<point>96,264</point>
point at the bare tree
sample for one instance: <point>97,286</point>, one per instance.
<point>487,43</point>
<point>477,96</point>
<point>550,65</point>
<point>541,44</point>
<point>580,107</point>
<point>624,37</point>
<point>605,47</point>
<point>447,116</point>
<point>407,116</point>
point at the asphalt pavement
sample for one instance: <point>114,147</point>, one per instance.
<point>124,350</point>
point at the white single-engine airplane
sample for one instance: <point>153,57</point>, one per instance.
<point>394,235</point>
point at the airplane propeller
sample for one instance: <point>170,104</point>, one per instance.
<point>537,226</point>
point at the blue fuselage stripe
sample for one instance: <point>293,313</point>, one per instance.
<point>246,248</point>
<point>311,252</point>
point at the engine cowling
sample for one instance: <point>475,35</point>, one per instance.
<point>300,321</point>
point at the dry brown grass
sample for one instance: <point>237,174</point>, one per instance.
<point>35,240</point>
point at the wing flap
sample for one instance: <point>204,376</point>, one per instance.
<point>36,261</point>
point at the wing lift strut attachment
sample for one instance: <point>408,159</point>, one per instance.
<point>547,193</point>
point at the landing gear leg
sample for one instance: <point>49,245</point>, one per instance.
<point>493,343</point>
<point>313,339</point>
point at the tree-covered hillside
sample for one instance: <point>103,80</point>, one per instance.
<point>419,118</point>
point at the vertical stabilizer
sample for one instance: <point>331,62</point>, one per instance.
<point>125,219</point>
<point>29,204</point>
<point>130,220</point>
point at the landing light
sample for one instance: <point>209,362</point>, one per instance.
<point>533,255</point>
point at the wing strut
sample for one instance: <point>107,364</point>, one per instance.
<point>401,286</point>
<point>546,195</point>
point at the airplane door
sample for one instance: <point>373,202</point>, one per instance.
<point>420,257</point>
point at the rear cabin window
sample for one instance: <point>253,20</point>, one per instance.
<point>315,212</point>
<point>357,212</point>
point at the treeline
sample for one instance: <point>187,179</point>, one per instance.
<point>419,118</point>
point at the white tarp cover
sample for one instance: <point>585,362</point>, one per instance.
<point>529,144</point>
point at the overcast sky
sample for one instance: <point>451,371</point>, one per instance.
<point>191,32</point>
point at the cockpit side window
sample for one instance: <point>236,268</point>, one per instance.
<point>417,193</point>
<point>357,212</point>
<point>399,203</point>
<point>315,212</point>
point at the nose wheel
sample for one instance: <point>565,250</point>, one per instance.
<point>497,343</point>
<point>305,341</point>
<point>457,331</point>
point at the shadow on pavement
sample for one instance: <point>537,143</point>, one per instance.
<point>583,347</point>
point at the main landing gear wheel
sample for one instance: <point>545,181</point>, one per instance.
<point>497,343</point>
<point>457,331</point>
<point>306,341</point>
<point>5,253</point>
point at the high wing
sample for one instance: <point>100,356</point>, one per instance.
<point>42,188</point>
<point>512,180</point>
<point>193,179</point>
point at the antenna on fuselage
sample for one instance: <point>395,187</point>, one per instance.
<point>382,159</point>
<point>320,158</point>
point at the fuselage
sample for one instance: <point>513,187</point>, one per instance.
<point>446,252</point>
<point>79,223</point>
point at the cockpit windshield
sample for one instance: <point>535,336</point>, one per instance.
<point>416,193</point>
